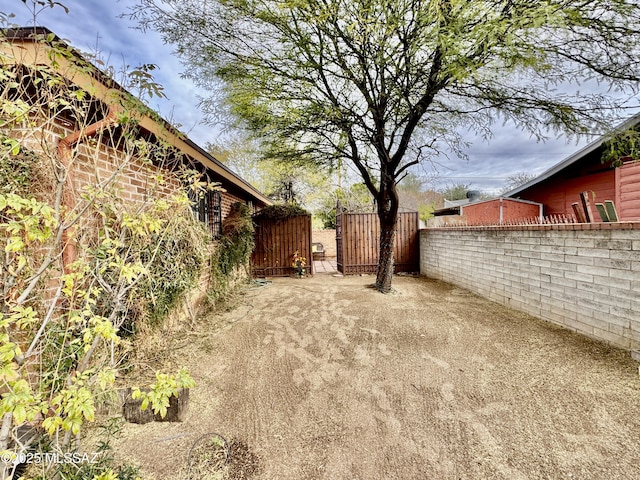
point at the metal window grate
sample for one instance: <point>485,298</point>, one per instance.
<point>208,209</point>
<point>215,214</point>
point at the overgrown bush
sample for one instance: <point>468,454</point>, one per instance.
<point>83,268</point>
<point>76,274</point>
<point>16,167</point>
<point>232,251</point>
<point>175,259</point>
<point>622,146</point>
<point>99,464</point>
<point>281,211</point>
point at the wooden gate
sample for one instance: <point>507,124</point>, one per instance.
<point>275,243</point>
<point>358,239</point>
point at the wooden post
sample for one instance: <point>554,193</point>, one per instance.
<point>132,411</point>
<point>586,206</point>
<point>578,212</point>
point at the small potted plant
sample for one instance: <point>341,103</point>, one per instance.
<point>298,264</point>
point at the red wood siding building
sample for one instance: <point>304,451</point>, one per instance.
<point>628,191</point>
<point>561,185</point>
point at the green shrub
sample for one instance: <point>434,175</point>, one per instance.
<point>19,168</point>
<point>175,270</point>
<point>280,211</point>
<point>232,252</point>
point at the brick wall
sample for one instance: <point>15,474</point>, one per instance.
<point>94,163</point>
<point>499,211</point>
<point>228,199</point>
<point>585,277</point>
<point>133,180</point>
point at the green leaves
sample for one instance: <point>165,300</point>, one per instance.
<point>23,317</point>
<point>62,324</point>
<point>622,146</point>
<point>75,343</point>
<point>304,74</point>
<point>141,79</point>
<point>50,4</point>
<point>165,387</point>
<point>8,350</point>
<point>73,406</point>
<point>13,146</point>
<point>20,401</point>
<point>144,223</point>
<point>25,221</point>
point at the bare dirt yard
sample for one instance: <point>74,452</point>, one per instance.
<point>325,378</point>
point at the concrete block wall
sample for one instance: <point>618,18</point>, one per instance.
<point>585,277</point>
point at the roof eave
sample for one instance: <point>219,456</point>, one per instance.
<point>155,125</point>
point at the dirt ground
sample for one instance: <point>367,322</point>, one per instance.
<point>324,378</point>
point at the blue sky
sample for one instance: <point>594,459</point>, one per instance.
<point>96,26</point>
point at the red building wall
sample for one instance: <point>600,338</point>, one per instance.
<point>628,199</point>
<point>498,211</point>
<point>557,194</point>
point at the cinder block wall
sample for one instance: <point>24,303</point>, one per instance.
<point>585,277</point>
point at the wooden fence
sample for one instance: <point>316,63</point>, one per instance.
<point>275,243</point>
<point>358,238</point>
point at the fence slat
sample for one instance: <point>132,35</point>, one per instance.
<point>275,243</point>
<point>359,241</point>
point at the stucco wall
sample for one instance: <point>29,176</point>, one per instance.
<point>328,239</point>
<point>583,277</point>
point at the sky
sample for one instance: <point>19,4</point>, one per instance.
<point>98,26</point>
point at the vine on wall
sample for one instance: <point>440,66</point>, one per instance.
<point>230,260</point>
<point>79,278</point>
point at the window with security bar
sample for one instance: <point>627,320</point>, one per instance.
<point>208,209</point>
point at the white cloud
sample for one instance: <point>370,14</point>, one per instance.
<point>98,27</point>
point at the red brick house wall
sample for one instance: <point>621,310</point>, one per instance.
<point>135,181</point>
<point>93,157</point>
<point>229,199</point>
<point>498,211</point>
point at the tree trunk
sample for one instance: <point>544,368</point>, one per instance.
<point>388,216</point>
<point>384,273</point>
